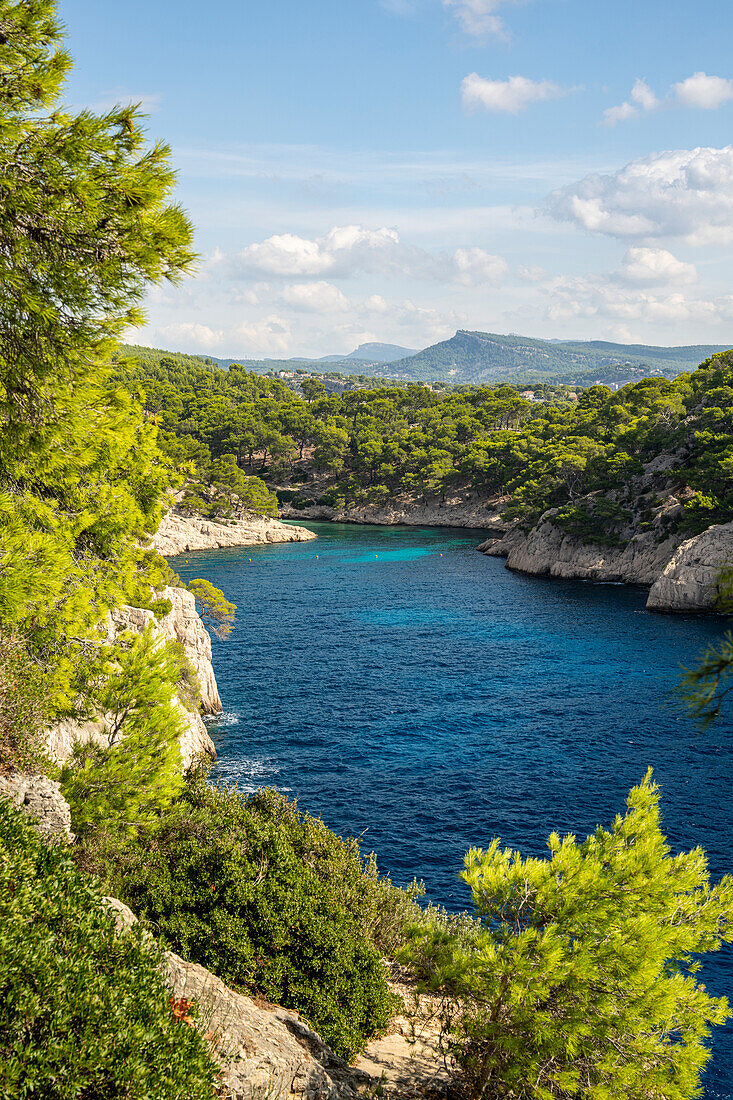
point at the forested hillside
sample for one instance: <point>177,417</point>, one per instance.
<point>585,455</point>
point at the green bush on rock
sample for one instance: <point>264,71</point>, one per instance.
<point>84,1011</point>
<point>269,900</point>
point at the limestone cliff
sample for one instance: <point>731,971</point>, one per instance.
<point>182,624</point>
<point>682,575</point>
<point>179,534</point>
<point>690,580</point>
<point>452,512</point>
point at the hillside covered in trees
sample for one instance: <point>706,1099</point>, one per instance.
<point>585,453</point>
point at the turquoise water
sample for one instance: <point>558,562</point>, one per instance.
<point>433,702</point>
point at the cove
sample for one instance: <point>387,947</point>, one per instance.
<point>429,703</point>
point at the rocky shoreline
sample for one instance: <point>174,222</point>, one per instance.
<point>683,575</point>
<point>180,534</point>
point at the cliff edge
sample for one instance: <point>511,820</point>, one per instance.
<point>181,624</point>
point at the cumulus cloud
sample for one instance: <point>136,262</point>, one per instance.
<point>479,18</point>
<point>351,250</point>
<point>509,96</point>
<point>597,298</point>
<point>474,266</point>
<point>683,193</point>
<point>267,336</point>
<point>191,334</point>
<point>703,91</point>
<point>699,90</point>
<point>318,297</point>
<point>344,249</point>
<point>655,266</point>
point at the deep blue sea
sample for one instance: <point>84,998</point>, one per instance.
<point>415,693</point>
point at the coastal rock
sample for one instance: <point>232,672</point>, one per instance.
<point>546,550</point>
<point>42,800</point>
<point>181,534</point>
<point>690,581</point>
<point>265,1052</point>
<point>457,512</point>
<point>181,624</point>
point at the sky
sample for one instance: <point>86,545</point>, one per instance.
<point>393,170</point>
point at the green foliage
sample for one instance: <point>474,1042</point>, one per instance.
<point>582,980</point>
<point>271,901</point>
<point>85,226</point>
<point>22,709</point>
<point>586,458</point>
<point>129,781</point>
<point>214,608</point>
<point>84,1011</point>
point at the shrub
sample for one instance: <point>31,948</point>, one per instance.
<point>22,708</point>
<point>581,982</point>
<point>271,901</point>
<point>84,1011</point>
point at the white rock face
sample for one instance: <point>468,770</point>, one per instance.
<point>181,624</point>
<point>448,514</point>
<point>184,625</point>
<point>266,1053</point>
<point>690,580</point>
<point>181,534</point>
<point>547,551</point>
<point>41,799</point>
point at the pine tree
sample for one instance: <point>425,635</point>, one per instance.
<point>581,980</point>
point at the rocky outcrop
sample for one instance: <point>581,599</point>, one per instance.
<point>457,512</point>
<point>548,551</point>
<point>682,576</point>
<point>181,624</point>
<point>265,1052</point>
<point>42,800</point>
<point>179,534</point>
<point>690,580</point>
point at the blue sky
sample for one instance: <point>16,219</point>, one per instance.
<point>396,169</point>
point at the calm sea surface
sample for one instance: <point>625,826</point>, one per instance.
<point>404,687</point>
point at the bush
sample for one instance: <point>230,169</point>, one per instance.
<point>23,709</point>
<point>84,1011</point>
<point>271,901</point>
<point>581,982</point>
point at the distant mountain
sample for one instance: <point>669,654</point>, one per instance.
<point>485,357</point>
<point>372,353</point>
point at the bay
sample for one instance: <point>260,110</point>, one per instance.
<point>415,693</point>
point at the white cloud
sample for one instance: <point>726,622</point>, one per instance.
<point>655,266</point>
<point>642,94</point>
<point>613,115</point>
<point>318,297</point>
<point>683,193</point>
<point>475,266</point>
<point>344,249</point>
<point>190,334</point>
<point>267,336</point>
<point>479,18</point>
<point>699,90</point>
<point>597,299</point>
<point>703,91</point>
<point>510,96</point>
<point>352,250</point>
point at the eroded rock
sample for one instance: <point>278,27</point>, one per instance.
<point>41,799</point>
<point>690,580</point>
<point>181,534</point>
